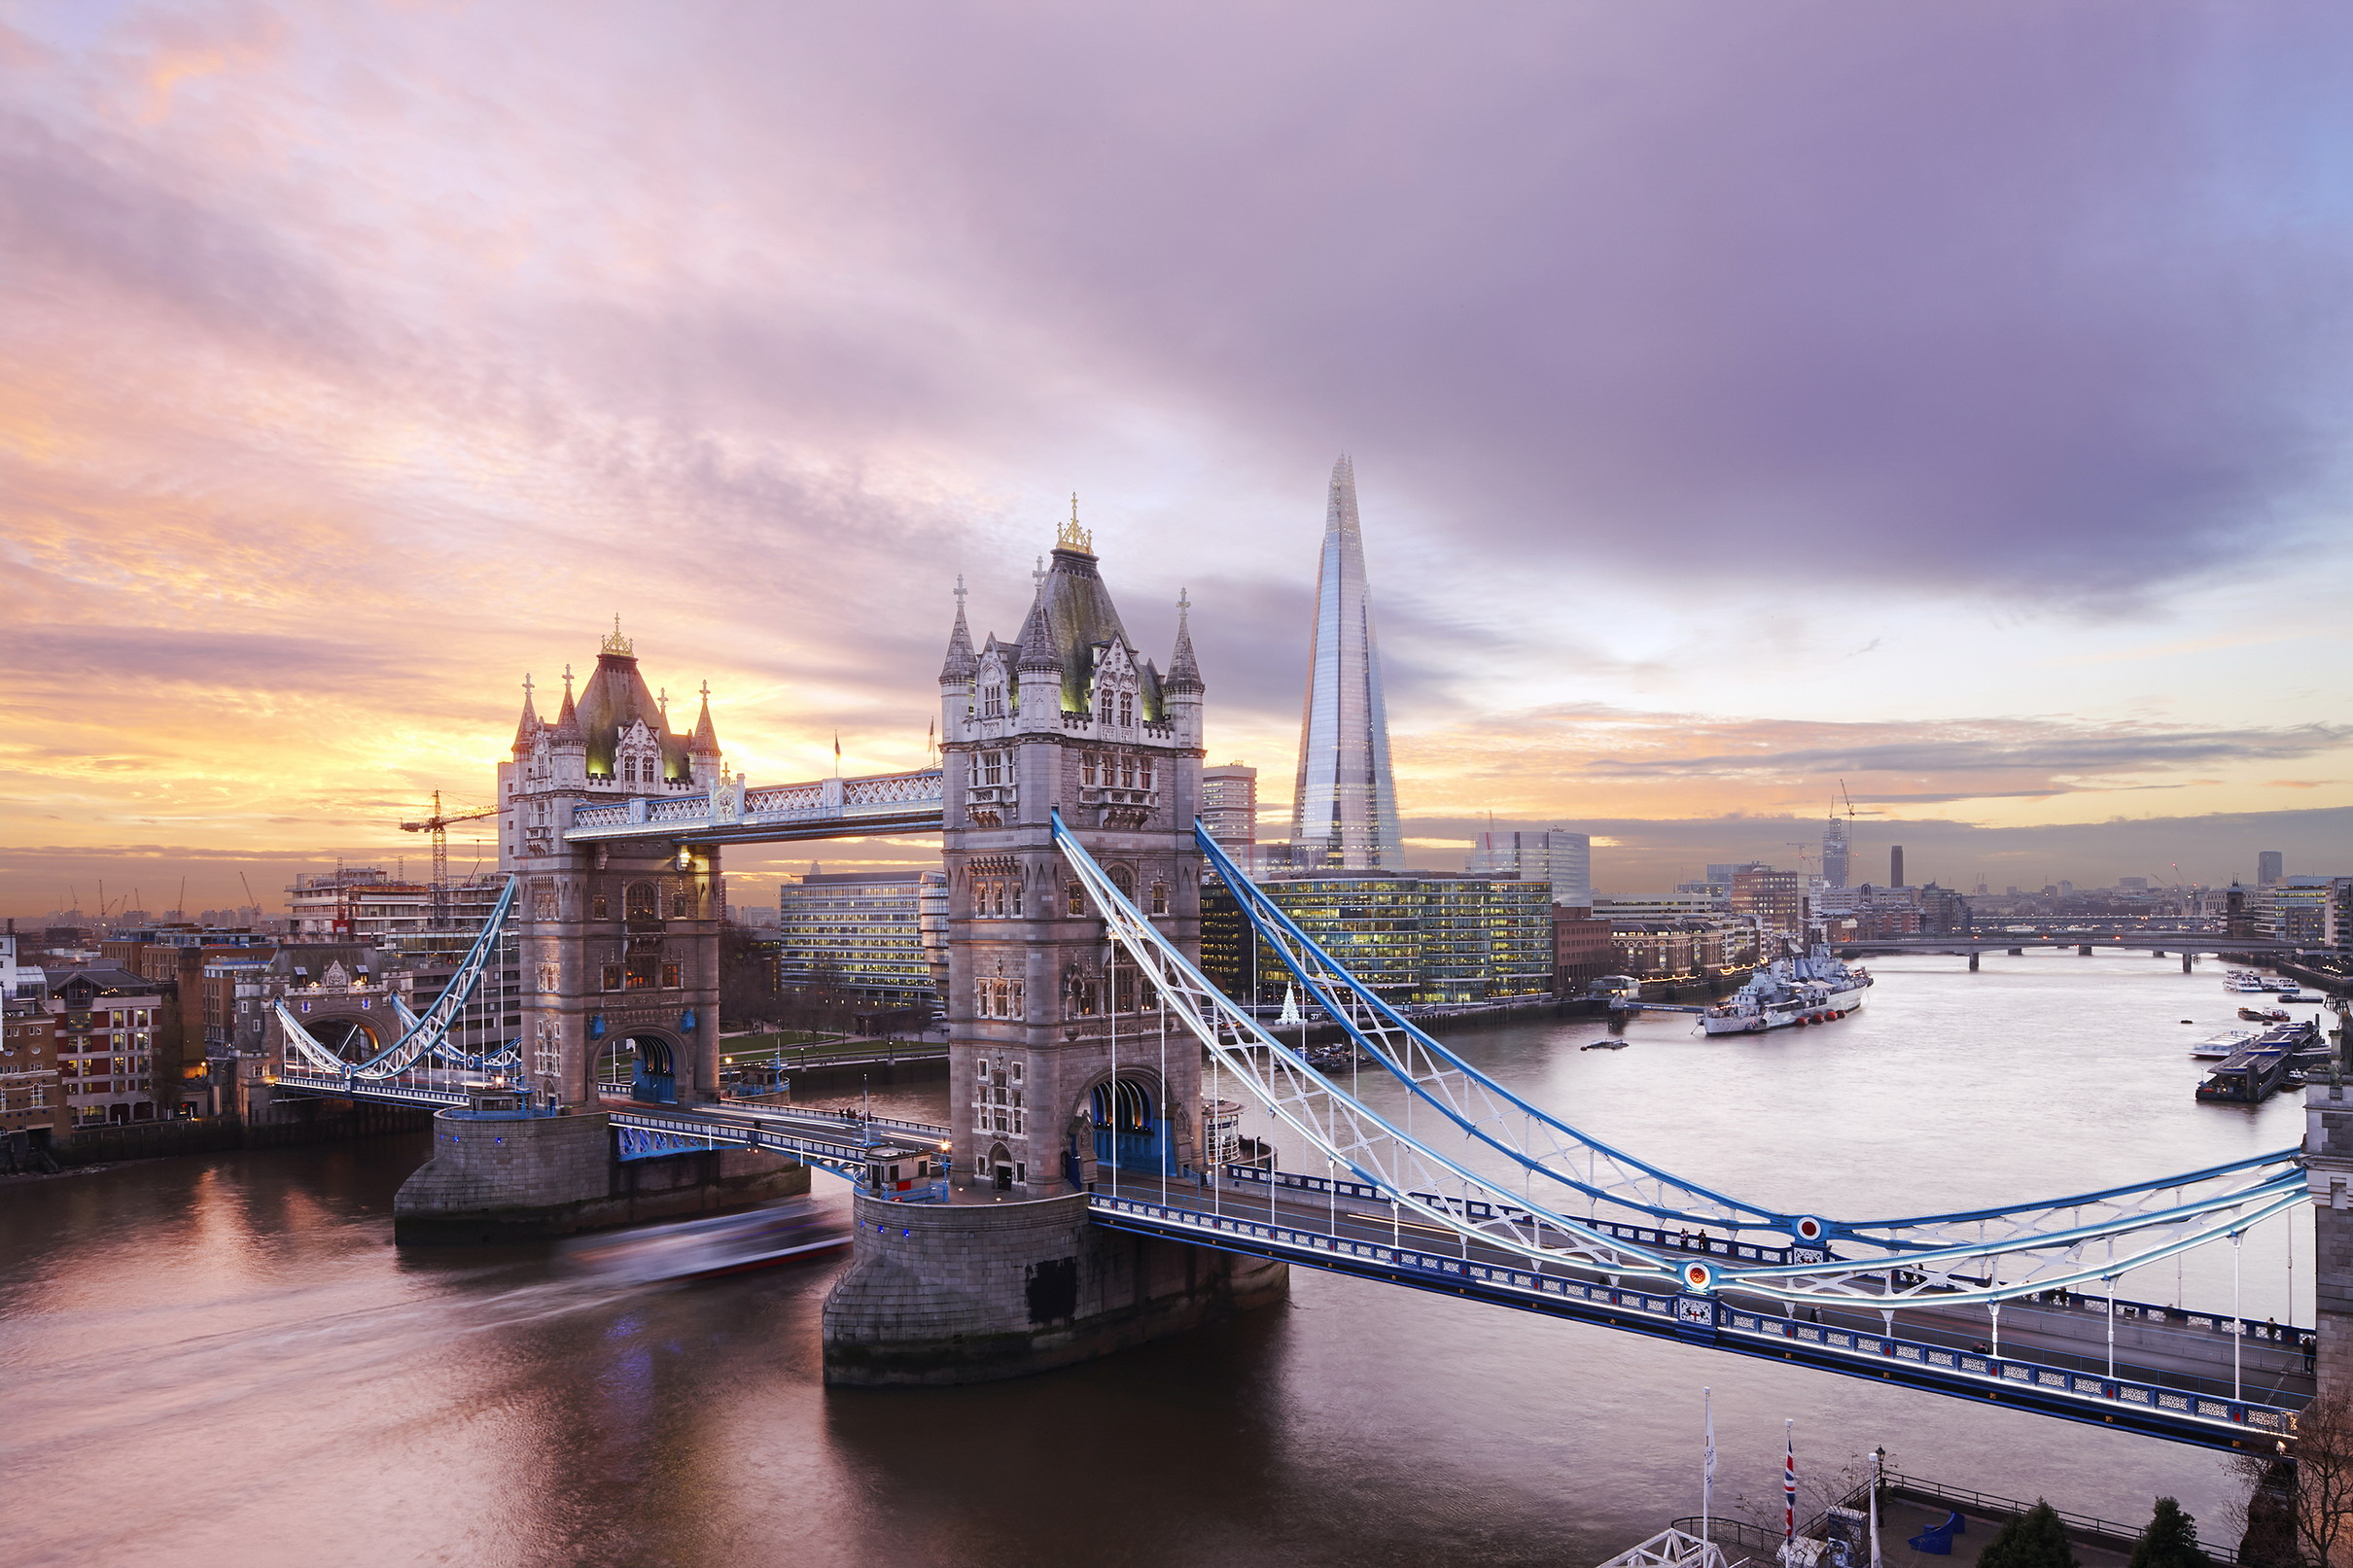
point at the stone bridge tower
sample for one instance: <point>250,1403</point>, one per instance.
<point>1058,1068</point>
<point>616,943</point>
<point>1040,1005</point>
<point>614,946</point>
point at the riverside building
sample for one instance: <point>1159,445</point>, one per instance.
<point>864,932</point>
<point>1422,938</point>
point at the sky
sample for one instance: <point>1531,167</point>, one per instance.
<point>1949,399</point>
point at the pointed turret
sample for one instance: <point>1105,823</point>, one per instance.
<point>527,730</point>
<point>567,725</point>
<point>1038,652</point>
<point>1184,675</point>
<point>703,758</point>
<point>960,663</point>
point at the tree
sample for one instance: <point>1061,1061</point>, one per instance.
<point>2170,1541</point>
<point>2035,1539</point>
<point>2300,1506</point>
<point>747,978</point>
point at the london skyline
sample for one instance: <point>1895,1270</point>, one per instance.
<point>366,362</point>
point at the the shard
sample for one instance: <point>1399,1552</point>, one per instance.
<point>1346,802</point>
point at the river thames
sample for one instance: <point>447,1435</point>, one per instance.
<point>222,1359</point>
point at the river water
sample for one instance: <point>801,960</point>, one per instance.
<point>222,1360</point>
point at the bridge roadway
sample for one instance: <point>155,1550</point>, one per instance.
<point>816,1137</point>
<point>2172,1374</point>
<point>2172,1377</point>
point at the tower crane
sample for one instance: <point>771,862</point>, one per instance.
<point>439,826</point>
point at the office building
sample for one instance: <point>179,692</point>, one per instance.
<point>1563,861</point>
<point>2269,867</point>
<point>1775,899</point>
<point>1834,853</point>
<point>1944,911</point>
<point>863,933</point>
<point>1895,866</point>
<point>1229,810</point>
<point>1345,810</point>
<point>1700,901</point>
<point>1420,937</point>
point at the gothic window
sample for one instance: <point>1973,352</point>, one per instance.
<point>639,972</point>
<point>612,977</point>
<point>1125,880</point>
<point>1103,708</point>
<point>1144,773</point>
<point>677,904</point>
<point>670,976</point>
<point>1126,708</point>
<point>1077,899</point>
<point>1086,767</point>
<point>1160,897</point>
<point>992,768</point>
<point>600,908</point>
<point>1017,899</point>
<point>1127,773</point>
<point>543,905</point>
<point>644,902</point>
<point>991,701</point>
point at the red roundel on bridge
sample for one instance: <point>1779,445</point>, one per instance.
<point>1809,1228</point>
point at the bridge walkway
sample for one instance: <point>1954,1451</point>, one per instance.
<point>2170,1381</point>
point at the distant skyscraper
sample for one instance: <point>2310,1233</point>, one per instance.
<point>1563,859</point>
<point>1895,866</point>
<point>1834,853</point>
<point>1345,807</point>
<point>1229,810</point>
<point>2269,867</point>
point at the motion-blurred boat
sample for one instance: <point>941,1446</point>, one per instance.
<point>705,1249</point>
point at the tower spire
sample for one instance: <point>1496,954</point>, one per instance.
<point>529,726</point>
<point>1184,673</point>
<point>960,662</point>
<point>706,737</point>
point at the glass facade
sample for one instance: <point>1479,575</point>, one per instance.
<point>861,931</point>
<point>1425,938</point>
<point>1346,809</point>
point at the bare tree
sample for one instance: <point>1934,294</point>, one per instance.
<point>2299,1510</point>
<point>1820,1488</point>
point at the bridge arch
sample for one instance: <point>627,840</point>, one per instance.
<point>1124,1118</point>
<point>353,1035</point>
<point>644,1058</point>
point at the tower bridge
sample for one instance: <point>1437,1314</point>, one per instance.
<point>1086,1193</point>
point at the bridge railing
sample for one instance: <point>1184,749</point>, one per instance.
<point>2214,1417</point>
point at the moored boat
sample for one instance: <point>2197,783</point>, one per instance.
<point>1811,988</point>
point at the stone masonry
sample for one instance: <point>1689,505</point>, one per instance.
<point>974,1292</point>
<point>2329,1176</point>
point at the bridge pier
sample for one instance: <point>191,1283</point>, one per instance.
<point>2187,961</point>
<point>963,1293</point>
<point>2016,953</point>
<point>503,1171</point>
<point>2084,951</point>
<point>1972,958</point>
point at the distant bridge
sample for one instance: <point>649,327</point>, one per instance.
<point>2162,942</point>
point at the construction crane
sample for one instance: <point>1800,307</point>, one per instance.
<point>439,826</point>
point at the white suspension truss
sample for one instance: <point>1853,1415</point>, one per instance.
<point>1425,1167</point>
<point>421,1034</point>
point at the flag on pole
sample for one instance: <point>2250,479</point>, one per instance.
<point>1789,1488</point>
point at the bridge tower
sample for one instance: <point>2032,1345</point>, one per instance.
<point>1061,1067</point>
<point>2329,1177</point>
<point>616,951</point>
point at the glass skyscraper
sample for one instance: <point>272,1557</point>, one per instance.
<point>1345,813</point>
